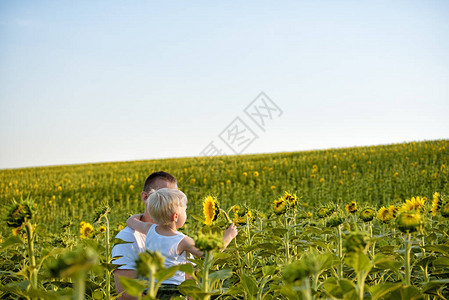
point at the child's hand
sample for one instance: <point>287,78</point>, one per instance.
<point>231,231</point>
<point>229,234</point>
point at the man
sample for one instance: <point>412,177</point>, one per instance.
<point>129,252</point>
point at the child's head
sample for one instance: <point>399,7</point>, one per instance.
<point>163,203</point>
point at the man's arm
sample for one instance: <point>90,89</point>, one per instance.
<point>125,256</point>
<point>118,286</point>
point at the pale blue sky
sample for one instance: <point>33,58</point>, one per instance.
<point>91,81</point>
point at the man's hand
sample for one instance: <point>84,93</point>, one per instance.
<point>118,286</point>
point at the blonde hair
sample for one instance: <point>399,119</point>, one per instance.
<point>163,203</point>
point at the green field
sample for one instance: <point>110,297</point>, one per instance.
<point>275,251</point>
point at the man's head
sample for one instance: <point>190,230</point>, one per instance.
<point>157,180</point>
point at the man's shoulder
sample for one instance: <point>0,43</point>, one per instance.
<point>126,234</point>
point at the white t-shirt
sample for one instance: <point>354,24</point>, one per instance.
<point>129,252</point>
<point>168,246</point>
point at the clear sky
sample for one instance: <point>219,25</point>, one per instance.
<point>91,81</point>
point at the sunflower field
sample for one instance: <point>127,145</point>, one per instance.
<point>349,223</point>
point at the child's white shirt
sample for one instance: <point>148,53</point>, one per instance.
<point>168,246</point>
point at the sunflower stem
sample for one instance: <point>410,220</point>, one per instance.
<point>361,285</point>
<point>30,238</point>
<point>79,285</point>
<point>339,252</point>
<point>286,240</point>
<point>108,259</point>
<point>306,290</point>
<point>205,280</point>
<point>226,215</point>
<point>408,243</point>
<point>373,244</point>
<point>151,284</point>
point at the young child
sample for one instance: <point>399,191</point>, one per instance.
<point>167,207</point>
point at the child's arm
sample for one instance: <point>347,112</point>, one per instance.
<point>135,223</point>
<point>188,244</point>
<point>229,234</point>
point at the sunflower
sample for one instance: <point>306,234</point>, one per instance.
<point>393,210</point>
<point>149,261</point>
<point>435,204</point>
<point>239,220</point>
<point>280,206</point>
<point>211,209</point>
<point>408,222</point>
<point>241,214</point>
<point>291,199</point>
<point>334,221</point>
<point>236,208</point>
<point>413,204</point>
<point>384,214</point>
<point>18,214</point>
<point>70,262</point>
<point>252,215</point>
<point>324,211</point>
<point>102,229</point>
<point>356,242</point>
<point>409,205</point>
<point>367,214</point>
<point>352,207</point>
<point>86,230</point>
<point>16,231</point>
<point>241,211</point>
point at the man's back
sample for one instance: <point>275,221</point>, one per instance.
<point>129,251</point>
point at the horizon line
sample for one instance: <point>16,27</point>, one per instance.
<point>245,154</point>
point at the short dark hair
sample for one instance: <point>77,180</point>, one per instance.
<point>148,185</point>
